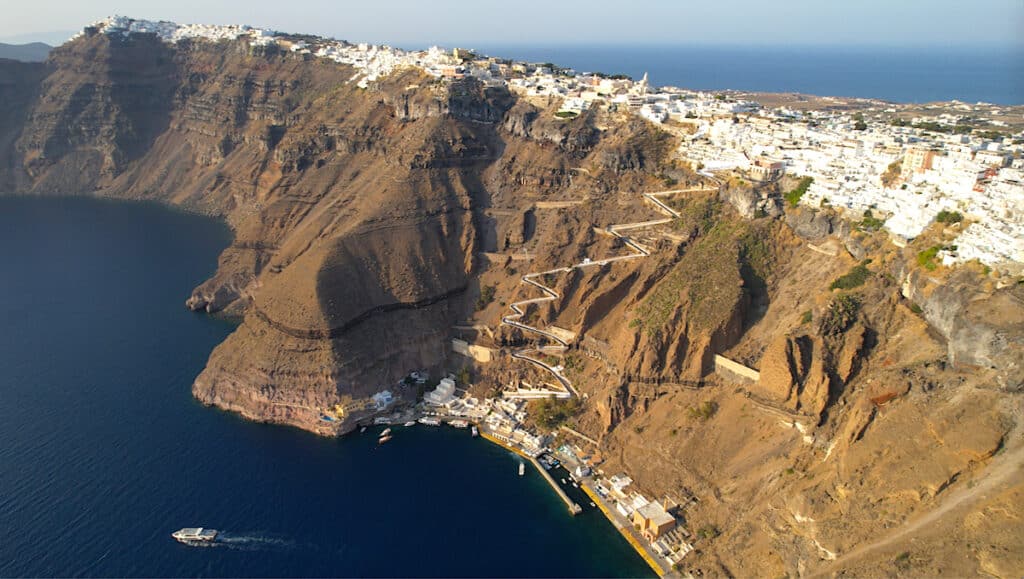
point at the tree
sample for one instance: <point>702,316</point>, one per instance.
<point>486,297</point>
<point>552,412</point>
<point>859,124</point>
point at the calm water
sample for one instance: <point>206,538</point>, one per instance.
<point>904,74</point>
<point>103,451</point>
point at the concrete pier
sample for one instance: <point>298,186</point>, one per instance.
<point>574,508</point>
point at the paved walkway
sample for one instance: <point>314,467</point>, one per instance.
<point>638,250</point>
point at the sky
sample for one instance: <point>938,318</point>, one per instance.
<point>419,23</point>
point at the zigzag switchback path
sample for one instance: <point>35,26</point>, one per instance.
<point>550,294</point>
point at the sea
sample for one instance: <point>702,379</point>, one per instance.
<point>902,74</point>
<point>104,452</point>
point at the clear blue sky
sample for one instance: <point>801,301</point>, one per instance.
<point>415,23</point>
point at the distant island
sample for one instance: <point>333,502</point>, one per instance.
<point>767,333</point>
<point>31,52</point>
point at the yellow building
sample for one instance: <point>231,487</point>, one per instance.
<point>653,521</point>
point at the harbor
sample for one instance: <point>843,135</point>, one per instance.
<point>573,506</point>
<point>653,527</point>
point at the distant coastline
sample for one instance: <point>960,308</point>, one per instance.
<point>897,74</point>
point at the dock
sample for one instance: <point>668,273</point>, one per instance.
<point>628,533</point>
<point>574,508</point>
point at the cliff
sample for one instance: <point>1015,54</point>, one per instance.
<point>368,221</point>
<point>357,212</point>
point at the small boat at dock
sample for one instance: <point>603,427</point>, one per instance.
<point>384,439</point>
<point>475,432</point>
<point>386,432</point>
<point>459,423</point>
<point>411,423</point>
<point>429,421</point>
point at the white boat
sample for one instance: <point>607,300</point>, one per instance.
<point>195,534</point>
<point>459,423</point>
<point>475,432</point>
<point>522,469</point>
<point>411,423</point>
<point>383,439</point>
<point>429,421</point>
<point>362,430</point>
<point>563,481</point>
<point>386,432</point>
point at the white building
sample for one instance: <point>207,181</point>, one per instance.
<point>443,394</point>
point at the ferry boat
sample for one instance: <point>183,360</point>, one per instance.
<point>386,432</point>
<point>522,469</point>
<point>195,535</point>
<point>384,439</point>
<point>475,432</point>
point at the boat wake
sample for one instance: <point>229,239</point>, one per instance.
<point>246,542</point>
<point>254,541</point>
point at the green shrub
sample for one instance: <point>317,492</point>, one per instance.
<point>486,297</point>
<point>854,278</point>
<point>552,412</point>
<point>870,222</point>
<point>807,317</point>
<point>926,258</point>
<point>706,410</point>
<point>949,217</point>
<point>708,532</point>
<point>566,114</point>
<point>793,197</point>
<point>840,315</point>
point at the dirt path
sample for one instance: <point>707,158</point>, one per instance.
<point>1005,470</point>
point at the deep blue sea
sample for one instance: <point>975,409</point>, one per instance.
<point>104,452</point>
<point>899,74</point>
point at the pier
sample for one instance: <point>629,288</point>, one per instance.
<point>626,529</point>
<point>574,508</point>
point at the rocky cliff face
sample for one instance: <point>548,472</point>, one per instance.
<point>357,213</point>
<point>367,221</point>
